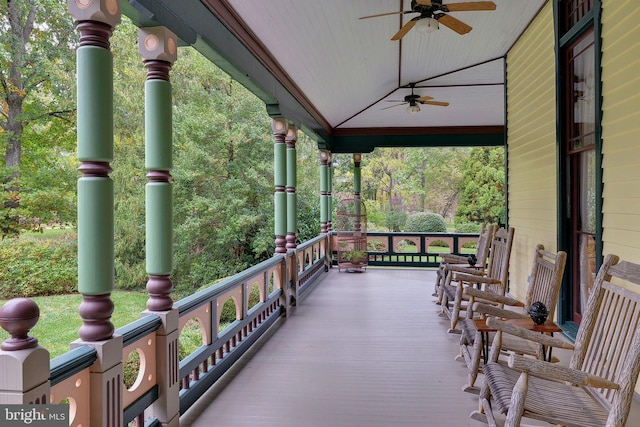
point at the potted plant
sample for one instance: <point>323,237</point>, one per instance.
<point>355,257</point>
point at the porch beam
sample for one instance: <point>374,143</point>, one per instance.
<point>366,140</point>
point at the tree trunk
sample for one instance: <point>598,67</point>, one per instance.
<point>21,21</point>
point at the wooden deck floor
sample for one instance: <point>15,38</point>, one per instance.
<point>363,349</point>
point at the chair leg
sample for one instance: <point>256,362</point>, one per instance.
<point>484,413</point>
<point>442,296</point>
<point>438,285</point>
<point>516,407</point>
<point>444,302</point>
<point>474,363</point>
<point>455,313</point>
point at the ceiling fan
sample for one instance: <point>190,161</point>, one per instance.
<point>433,12</point>
<point>413,100</point>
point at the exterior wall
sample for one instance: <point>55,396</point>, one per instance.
<point>531,146</point>
<point>621,128</point>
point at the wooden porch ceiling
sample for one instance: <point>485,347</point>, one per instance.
<point>315,63</point>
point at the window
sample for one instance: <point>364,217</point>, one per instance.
<point>580,149</point>
<point>574,11</point>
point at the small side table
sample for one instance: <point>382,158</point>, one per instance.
<point>549,327</point>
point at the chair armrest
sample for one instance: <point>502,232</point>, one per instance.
<point>492,310</point>
<point>543,339</point>
<point>473,278</point>
<point>453,259</point>
<point>468,270</point>
<point>557,372</point>
<point>490,296</point>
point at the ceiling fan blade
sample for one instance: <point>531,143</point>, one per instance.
<point>455,24</point>
<point>382,14</point>
<point>405,29</point>
<point>470,6</point>
<point>397,105</point>
<point>424,98</point>
<point>438,103</point>
<point>424,2</point>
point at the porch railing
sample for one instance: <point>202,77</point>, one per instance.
<point>162,377</point>
<point>166,383</point>
<point>393,249</point>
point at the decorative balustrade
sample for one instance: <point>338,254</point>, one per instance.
<point>412,249</point>
<point>281,282</point>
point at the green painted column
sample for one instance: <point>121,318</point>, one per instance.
<point>357,185</point>
<point>158,48</point>
<point>292,178</point>
<point>324,191</point>
<point>280,127</point>
<point>357,175</point>
<point>329,193</point>
<point>94,69</point>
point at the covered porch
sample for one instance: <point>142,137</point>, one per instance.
<point>363,349</point>
<point>342,349</point>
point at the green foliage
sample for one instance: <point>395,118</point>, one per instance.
<point>38,114</point>
<point>395,220</point>
<point>353,255</point>
<point>482,187</point>
<point>308,218</point>
<point>190,338</point>
<point>38,267</point>
<point>375,215</point>
<point>375,245</point>
<point>425,222</point>
<point>228,313</point>
<point>468,227</point>
<point>407,246</point>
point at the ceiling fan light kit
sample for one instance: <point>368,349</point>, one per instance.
<point>433,13</point>
<point>427,25</point>
<point>414,100</point>
<point>412,109</point>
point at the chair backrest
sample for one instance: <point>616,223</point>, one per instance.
<point>545,279</point>
<point>499,257</point>
<point>608,340</point>
<point>484,244</point>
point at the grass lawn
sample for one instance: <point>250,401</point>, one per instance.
<point>59,319</point>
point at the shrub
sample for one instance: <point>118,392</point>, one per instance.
<point>468,227</point>
<point>425,222</point>
<point>439,244</point>
<point>33,267</point>
<point>395,220</point>
<point>375,245</point>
